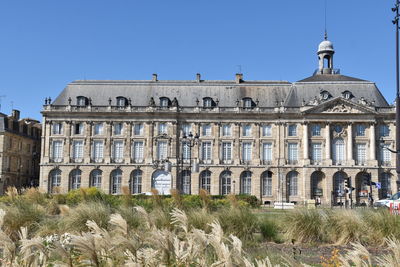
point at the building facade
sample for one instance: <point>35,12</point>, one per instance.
<point>277,140</point>
<point>19,151</point>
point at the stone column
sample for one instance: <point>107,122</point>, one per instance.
<point>305,144</point>
<point>350,144</point>
<point>256,151</point>
<point>216,143</point>
<point>372,152</point>
<point>67,143</point>
<point>148,132</point>
<point>107,142</point>
<point>87,144</point>
<point>328,143</point>
<point>128,148</point>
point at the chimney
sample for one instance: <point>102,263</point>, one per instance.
<point>239,78</point>
<point>198,77</point>
<point>154,77</point>
<point>15,114</point>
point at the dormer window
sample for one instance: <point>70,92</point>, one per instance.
<point>81,101</point>
<point>165,102</point>
<point>325,95</point>
<point>208,102</point>
<point>347,95</point>
<point>247,103</point>
<point>121,101</point>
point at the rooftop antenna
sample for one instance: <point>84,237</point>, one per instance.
<point>240,69</point>
<point>1,97</point>
<point>326,32</point>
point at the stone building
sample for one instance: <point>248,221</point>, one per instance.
<point>277,140</point>
<point>19,151</point>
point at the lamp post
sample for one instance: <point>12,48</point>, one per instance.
<point>396,22</point>
<point>188,141</point>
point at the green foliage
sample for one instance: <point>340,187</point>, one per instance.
<point>22,213</point>
<point>305,225</point>
<point>268,229</point>
<point>251,200</point>
<point>240,222</point>
<point>192,202</point>
<point>76,220</point>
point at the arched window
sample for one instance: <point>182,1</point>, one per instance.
<point>208,102</point>
<point>136,182</point>
<point>292,183</point>
<point>75,179</point>
<point>245,183</point>
<point>116,180</point>
<point>338,184</point>
<point>54,180</point>
<point>386,189</point>
<point>267,183</point>
<point>81,101</point>
<point>205,180</point>
<point>121,102</point>
<point>95,178</point>
<point>338,151</point>
<point>165,102</point>
<point>184,182</point>
<point>247,103</point>
<point>225,182</point>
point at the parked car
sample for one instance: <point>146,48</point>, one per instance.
<point>386,202</point>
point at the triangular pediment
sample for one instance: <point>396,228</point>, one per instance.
<point>340,105</point>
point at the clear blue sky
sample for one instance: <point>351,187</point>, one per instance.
<point>45,44</point>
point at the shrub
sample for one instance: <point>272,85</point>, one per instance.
<point>305,225</point>
<point>240,222</point>
<point>192,202</point>
<point>250,199</point>
<point>22,214</point>
<point>200,219</point>
<point>345,226</point>
<point>79,215</point>
<point>268,229</point>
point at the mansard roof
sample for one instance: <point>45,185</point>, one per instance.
<point>267,93</point>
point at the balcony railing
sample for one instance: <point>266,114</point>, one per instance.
<point>316,162</point>
<point>266,162</point>
<point>291,162</point>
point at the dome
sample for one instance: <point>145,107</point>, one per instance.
<point>325,46</point>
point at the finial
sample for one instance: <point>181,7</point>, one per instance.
<point>326,35</point>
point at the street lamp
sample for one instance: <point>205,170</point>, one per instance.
<point>396,22</point>
<point>188,141</point>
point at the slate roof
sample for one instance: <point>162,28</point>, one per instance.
<point>268,93</point>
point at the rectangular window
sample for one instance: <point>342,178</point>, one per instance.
<point>292,130</point>
<point>386,155</point>
<point>98,129</point>
<point>206,151</point>
<point>226,151</point>
<point>118,127</point>
<point>138,129</point>
<point>361,154</point>
<point>316,153</point>
<point>226,130</point>
<point>267,130</point>
<point>118,150</point>
<point>267,153</point>
<point>98,151</point>
<point>246,152</point>
<point>384,130</point>
<point>138,154</point>
<point>77,150</point>
<point>186,129</point>
<point>57,151</point>
<point>186,150</point>
<point>57,128</point>
<point>293,153</point>
<point>316,130</point>
<point>162,150</point>
<point>78,128</point>
<point>247,130</point>
<point>162,128</point>
<point>206,130</point>
<point>360,130</point>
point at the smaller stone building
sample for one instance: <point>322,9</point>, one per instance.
<point>19,151</point>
